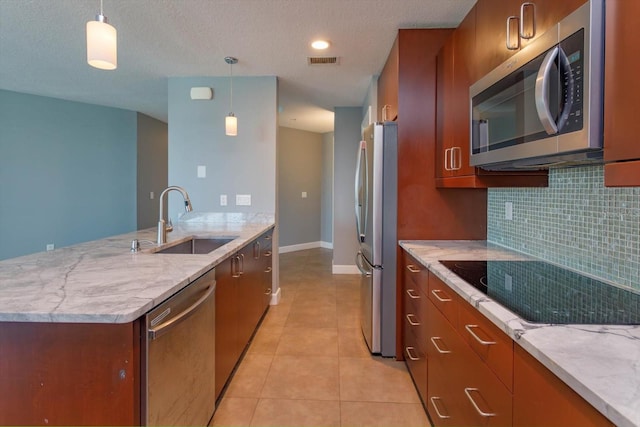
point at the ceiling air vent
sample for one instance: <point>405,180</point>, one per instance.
<point>323,60</point>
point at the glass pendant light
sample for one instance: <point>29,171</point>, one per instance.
<point>102,43</point>
<point>231,121</point>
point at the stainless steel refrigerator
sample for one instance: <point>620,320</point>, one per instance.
<point>376,226</point>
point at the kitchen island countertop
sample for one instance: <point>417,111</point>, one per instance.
<point>599,362</point>
<point>102,281</point>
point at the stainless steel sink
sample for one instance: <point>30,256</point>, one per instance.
<point>196,246</point>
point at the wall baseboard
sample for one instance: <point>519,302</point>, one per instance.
<point>275,297</point>
<point>304,246</point>
<point>345,269</point>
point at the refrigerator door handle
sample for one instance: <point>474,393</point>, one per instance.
<point>360,265</point>
<point>361,191</point>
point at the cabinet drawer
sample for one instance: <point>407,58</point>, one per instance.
<point>444,298</point>
<point>461,387</point>
<point>414,272</point>
<point>415,309</point>
<point>415,356</point>
<point>494,347</point>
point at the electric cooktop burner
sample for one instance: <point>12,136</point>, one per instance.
<point>540,292</point>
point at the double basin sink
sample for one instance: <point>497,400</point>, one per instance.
<point>196,246</point>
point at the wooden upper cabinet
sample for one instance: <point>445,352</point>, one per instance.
<point>491,29</point>
<point>621,126</point>
<point>455,71</point>
<point>388,85</point>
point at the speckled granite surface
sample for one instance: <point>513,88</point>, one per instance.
<point>601,363</point>
<point>104,282</point>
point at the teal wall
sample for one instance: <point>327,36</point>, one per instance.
<point>67,172</point>
<point>576,222</point>
<point>244,164</point>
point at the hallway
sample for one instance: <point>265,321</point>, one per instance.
<point>308,364</point>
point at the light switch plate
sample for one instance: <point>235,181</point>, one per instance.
<point>202,171</point>
<point>223,200</point>
<point>243,199</point>
<point>304,194</point>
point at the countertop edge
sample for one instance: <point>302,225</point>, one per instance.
<point>525,334</point>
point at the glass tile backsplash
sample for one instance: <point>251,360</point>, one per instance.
<point>576,222</point>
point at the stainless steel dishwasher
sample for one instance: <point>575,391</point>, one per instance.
<point>180,357</point>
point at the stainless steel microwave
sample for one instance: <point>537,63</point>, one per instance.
<point>543,106</point>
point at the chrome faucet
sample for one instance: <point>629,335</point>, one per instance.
<point>162,226</point>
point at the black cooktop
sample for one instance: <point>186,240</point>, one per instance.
<point>540,292</point>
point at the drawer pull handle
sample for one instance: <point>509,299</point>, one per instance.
<point>408,350</point>
<point>435,292</point>
<point>411,322</point>
<point>433,403</point>
<point>468,391</point>
<point>441,351</point>
<point>470,329</point>
<point>412,295</point>
<point>412,268</point>
<point>268,270</point>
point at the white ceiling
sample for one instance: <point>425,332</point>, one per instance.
<point>42,48</point>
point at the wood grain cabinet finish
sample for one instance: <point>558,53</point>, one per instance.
<point>491,28</point>
<point>463,391</point>
<point>414,333</point>
<point>444,298</point>
<point>424,211</point>
<point>455,71</point>
<point>543,400</point>
<point>240,303</point>
<point>70,373</point>
<point>621,125</point>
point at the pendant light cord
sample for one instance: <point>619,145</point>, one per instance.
<point>101,11</point>
<point>231,80</point>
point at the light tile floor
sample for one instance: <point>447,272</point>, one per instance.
<point>308,364</point>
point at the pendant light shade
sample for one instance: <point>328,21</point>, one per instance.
<point>102,43</point>
<point>231,125</point>
<point>231,121</point>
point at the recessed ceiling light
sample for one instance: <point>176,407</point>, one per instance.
<point>320,44</point>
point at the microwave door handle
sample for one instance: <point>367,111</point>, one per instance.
<point>542,92</point>
<point>564,63</point>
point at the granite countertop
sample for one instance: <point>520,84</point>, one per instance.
<point>104,282</point>
<point>601,363</point>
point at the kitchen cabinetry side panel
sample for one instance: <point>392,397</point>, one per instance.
<point>227,344</point>
<point>388,85</point>
<point>70,374</point>
<point>541,399</point>
<point>424,211</point>
<point>621,126</point>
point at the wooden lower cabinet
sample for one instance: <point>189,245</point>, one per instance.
<point>414,279</point>
<point>463,391</point>
<point>542,400</point>
<point>70,373</point>
<point>240,303</point>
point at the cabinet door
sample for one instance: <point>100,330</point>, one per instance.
<point>455,70</point>
<point>621,126</point>
<point>227,344</point>
<point>388,86</point>
<point>491,30</point>
<point>541,399</point>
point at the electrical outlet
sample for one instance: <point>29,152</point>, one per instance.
<point>223,200</point>
<point>50,246</point>
<point>508,211</point>
<point>152,195</point>
<point>243,199</point>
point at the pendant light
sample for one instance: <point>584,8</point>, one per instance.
<point>231,121</point>
<point>102,43</point>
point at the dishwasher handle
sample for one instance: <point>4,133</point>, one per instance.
<point>164,327</point>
